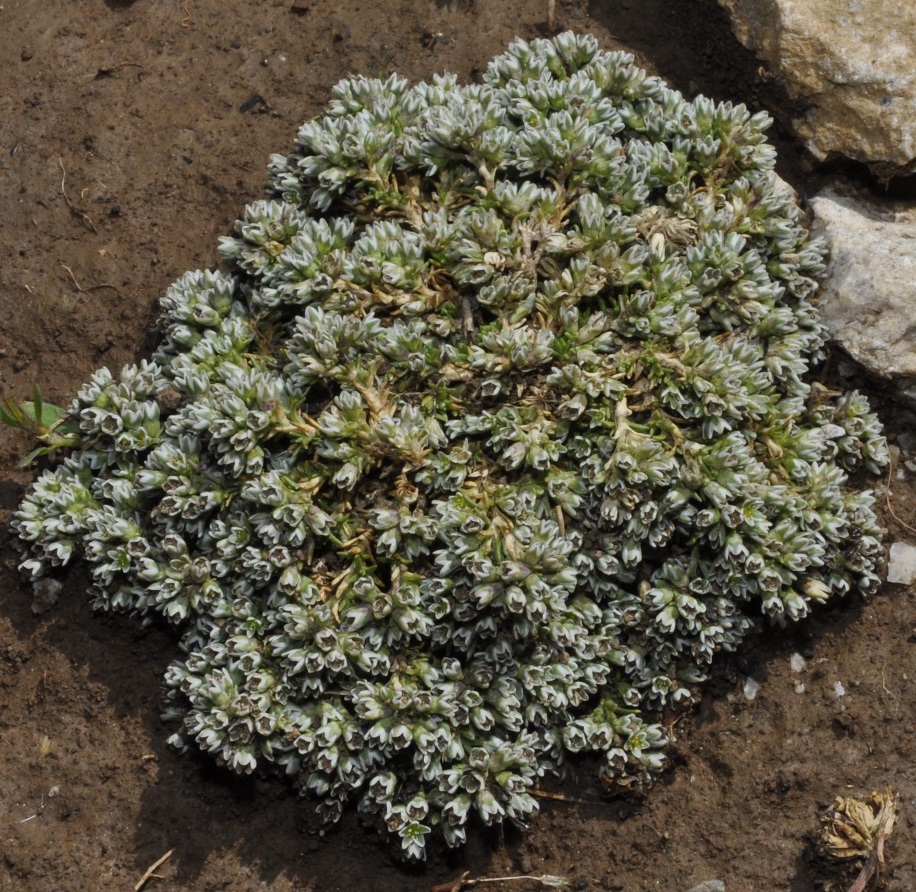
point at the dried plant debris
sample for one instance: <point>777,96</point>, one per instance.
<point>860,828</point>
<point>853,827</point>
<point>491,432</point>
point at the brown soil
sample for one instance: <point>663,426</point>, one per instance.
<point>131,136</point>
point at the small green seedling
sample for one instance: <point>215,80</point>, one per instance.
<point>45,422</point>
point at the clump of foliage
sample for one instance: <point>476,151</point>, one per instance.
<point>492,431</point>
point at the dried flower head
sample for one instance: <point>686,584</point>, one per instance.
<point>854,828</point>
<point>491,432</point>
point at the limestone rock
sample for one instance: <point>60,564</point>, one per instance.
<point>868,295</point>
<point>901,566</point>
<point>852,63</point>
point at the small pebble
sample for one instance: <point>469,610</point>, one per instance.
<point>750,688</point>
<point>797,662</point>
<point>907,443</point>
<point>709,886</point>
<point>45,593</point>
<point>901,566</point>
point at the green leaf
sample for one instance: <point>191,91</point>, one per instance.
<point>11,414</point>
<point>36,415</point>
<point>51,415</point>
<point>44,421</point>
<point>37,403</point>
<point>35,453</point>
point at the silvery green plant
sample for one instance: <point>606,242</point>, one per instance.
<point>490,433</point>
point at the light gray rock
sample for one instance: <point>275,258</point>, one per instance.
<point>901,565</point>
<point>852,63</point>
<point>868,295</point>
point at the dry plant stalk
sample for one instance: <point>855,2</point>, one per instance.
<point>465,881</point>
<point>151,870</point>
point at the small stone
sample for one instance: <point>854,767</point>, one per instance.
<point>797,662</point>
<point>45,593</point>
<point>709,886</point>
<point>907,442</point>
<point>901,567</point>
<point>169,400</point>
<point>750,688</point>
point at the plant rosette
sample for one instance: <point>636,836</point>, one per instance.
<point>491,431</point>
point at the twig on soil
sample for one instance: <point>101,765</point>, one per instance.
<point>551,15</point>
<point>91,287</point>
<point>887,496</point>
<point>150,871</point>
<point>889,692</point>
<point>559,797</point>
<point>108,70</point>
<point>82,215</point>
<point>466,882</point>
<point>876,859</point>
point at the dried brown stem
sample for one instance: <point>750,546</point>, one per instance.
<point>91,287</point>
<point>465,882</point>
<point>559,797</point>
<point>455,886</point>
<point>887,496</point>
<point>73,209</point>
<point>108,70</point>
<point>150,871</point>
<point>875,860</point>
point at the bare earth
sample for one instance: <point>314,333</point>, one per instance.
<point>131,137</point>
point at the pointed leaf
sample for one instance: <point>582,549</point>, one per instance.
<point>51,414</point>
<point>35,453</point>
<point>11,414</point>
<point>37,403</point>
